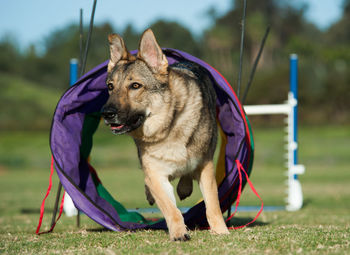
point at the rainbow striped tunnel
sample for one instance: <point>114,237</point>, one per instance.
<point>77,117</point>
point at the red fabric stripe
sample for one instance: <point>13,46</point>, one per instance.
<point>59,215</point>
<point>239,104</point>
<point>243,116</point>
<point>249,150</point>
<point>240,168</point>
<point>93,172</point>
<point>42,208</point>
<point>239,192</point>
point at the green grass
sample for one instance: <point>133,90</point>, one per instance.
<point>321,227</point>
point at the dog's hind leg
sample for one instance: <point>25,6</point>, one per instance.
<point>184,187</point>
<point>149,196</point>
<point>162,191</point>
<point>207,184</point>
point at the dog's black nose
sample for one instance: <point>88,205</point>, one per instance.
<point>109,112</point>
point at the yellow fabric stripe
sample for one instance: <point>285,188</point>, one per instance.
<point>220,166</point>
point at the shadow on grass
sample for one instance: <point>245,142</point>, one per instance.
<point>232,223</point>
<point>97,230</point>
<point>34,210</point>
<point>237,222</point>
<point>307,202</point>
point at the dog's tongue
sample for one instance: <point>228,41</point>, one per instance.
<point>116,127</point>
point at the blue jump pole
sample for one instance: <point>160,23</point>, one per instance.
<point>295,194</point>
<point>73,71</point>
<point>294,90</point>
<point>68,206</point>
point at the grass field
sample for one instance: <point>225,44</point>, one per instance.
<point>321,227</point>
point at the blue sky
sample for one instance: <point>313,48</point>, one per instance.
<point>30,21</point>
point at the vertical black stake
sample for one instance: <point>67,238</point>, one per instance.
<point>81,40</point>
<point>83,58</point>
<point>82,64</point>
<point>241,50</point>
<point>53,219</point>
<point>87,45</point>
<point>78,219</point>
<point>239,76</point>
<point>255,65</point>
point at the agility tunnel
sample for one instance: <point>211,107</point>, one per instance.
<point>77,117</point>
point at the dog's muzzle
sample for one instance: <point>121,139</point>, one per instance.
<point>121,123</point>
<point>109,113</point>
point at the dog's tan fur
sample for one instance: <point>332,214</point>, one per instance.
<point>177,137</point>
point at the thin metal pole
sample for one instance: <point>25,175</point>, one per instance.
<point>239,74</point>
<point>53,219</point>
<point>255,65</point>
<point>241,49</point>
<point>83,58</point>
<point>87,45</point>
<point>78,219</point>
<point>81,40</point>
<point>82,65</point>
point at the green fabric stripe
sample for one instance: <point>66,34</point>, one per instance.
<point>122,212</point>
<point>91,123</point>
<point>90,126</point>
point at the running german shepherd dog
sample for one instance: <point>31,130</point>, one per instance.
<point>169,110</point>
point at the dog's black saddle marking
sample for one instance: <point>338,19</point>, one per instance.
<point>194,68</point>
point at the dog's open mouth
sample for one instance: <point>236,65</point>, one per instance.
<point>117,127</point>
<point>130,125</point>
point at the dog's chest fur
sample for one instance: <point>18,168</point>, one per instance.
<point>188,138</point>
<point>172,159</point>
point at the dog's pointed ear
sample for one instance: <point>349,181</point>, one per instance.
<point>118,50</point>
<point>151,53</point>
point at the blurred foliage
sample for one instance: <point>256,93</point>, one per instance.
<point>25,105</point>
<point>324,57</point>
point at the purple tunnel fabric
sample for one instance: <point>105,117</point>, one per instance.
<point>88,95</point>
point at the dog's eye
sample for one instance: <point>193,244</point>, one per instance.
<point>110,86</point>
<point>135,85</point>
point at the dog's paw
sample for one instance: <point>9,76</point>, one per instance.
<point>183,238</point>
<point>179,233</point>
<point>220,230</point>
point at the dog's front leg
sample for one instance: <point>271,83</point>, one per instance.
<point>208,186</point>
<point>162,191</point>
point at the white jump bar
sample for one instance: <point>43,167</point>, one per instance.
<point>267,109</point>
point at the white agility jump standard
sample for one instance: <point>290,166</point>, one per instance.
<point>290,109</point>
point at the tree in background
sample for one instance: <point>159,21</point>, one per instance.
<point>324,55</point>
<point>9,55</point>
<point>334,75</point>
<point>174,35</point>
